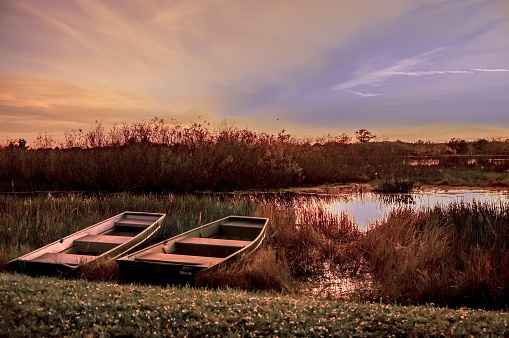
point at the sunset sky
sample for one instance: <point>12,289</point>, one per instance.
<point>403,69</point>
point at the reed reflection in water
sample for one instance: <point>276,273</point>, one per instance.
<point>366,208</point>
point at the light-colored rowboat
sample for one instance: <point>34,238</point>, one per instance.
<point>177,260</point>
<point>107,239</point>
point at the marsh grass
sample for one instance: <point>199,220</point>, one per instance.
<point>315,238</point>
<point>161,157</point>
<point>394,185</point>
<point>455,255</point>
<point>100,270</point>
<point>259,271</point>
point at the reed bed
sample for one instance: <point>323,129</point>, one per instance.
<point>455,255</point>
<point>161,157</point>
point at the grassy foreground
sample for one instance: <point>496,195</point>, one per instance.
<point>53,307</point>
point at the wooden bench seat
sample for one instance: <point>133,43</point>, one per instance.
<point>212,247</point>
<point>135,222</point>
<point>213,242</point>
<point>63,258</point>
<point>201,261</point>
<point>240,229</point>
<point>99,243</point>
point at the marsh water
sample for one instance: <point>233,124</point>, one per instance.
<point>366,208</point>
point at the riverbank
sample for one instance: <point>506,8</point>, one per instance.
<point>54,307</point>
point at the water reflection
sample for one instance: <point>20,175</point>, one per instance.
<point>367,208</point>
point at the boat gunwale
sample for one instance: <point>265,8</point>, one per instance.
<point>30,257</point>
<point>254,243</point>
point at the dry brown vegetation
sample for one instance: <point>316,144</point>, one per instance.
<point>156,156</point>
<point>455,255</point>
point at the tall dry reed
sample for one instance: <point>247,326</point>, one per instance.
<point>156,156</point>
<point>455,255</point>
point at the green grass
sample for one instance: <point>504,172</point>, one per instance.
<point>52,307</point>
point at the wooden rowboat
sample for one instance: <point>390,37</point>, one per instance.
<point>177,260</point>
<point>107,239</point>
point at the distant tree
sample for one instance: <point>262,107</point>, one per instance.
<point>22,143</point>
<point>363,135</point>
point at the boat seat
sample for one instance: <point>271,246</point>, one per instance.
<point>240,229</point>
<point>135,222</point>
<point>212,247</point>
<point>200,261</point>
<point>63,258</point>
<point>99,243</point>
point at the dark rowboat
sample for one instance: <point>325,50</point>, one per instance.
<point>177,260</point>
<point>107,239</point>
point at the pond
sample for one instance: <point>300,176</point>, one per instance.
<point>365,208</point>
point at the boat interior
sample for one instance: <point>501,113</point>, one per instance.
<point>207,246</point>
<point>89,246</point>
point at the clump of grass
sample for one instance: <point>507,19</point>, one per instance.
<point>394,185</point>
<point>104,270</point>
<point>455,255</point>
<point>260,271</point>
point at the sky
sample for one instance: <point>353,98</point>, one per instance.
<point>406,70</point>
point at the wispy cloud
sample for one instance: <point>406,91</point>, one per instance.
<point>439,72</point>
<point>375,72</point>
<point>433,72</point>
<point>367,76</point>
<point>365,94</point>
<point>489,70</point>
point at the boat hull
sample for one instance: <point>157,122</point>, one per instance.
<point>158,273</point>
<point>178,260</point>
<point>105,240</point>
